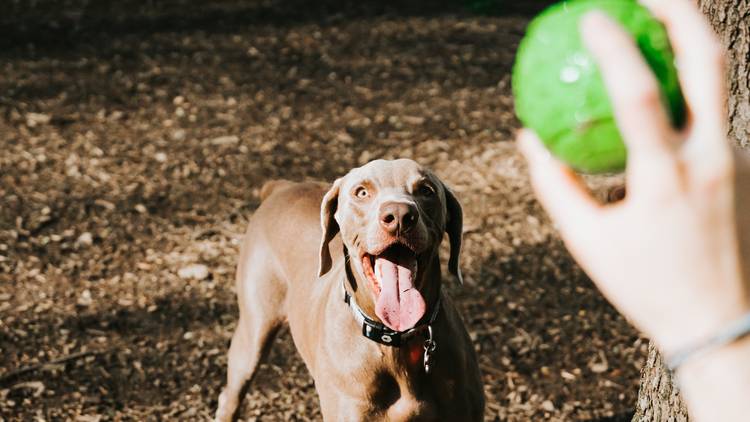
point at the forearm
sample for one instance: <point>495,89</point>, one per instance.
<point>717,386</point>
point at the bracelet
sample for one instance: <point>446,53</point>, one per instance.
<point>737,330</point>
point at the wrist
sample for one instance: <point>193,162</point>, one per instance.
<point>720,360</point>
<point>706,323</point>
<point>718,380</point>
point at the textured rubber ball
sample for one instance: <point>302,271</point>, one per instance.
<point>559,91</point>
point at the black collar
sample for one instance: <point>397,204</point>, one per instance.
<point>379,333</point>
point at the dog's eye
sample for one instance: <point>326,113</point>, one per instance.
<point>425,190</point>
<point>361,192</point>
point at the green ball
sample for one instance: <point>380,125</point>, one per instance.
<point>559,91</point>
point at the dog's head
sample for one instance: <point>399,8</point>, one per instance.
<point>392,216</point>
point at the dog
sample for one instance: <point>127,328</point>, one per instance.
<point>354,270</point>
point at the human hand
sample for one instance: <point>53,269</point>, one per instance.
<point>666,256</point>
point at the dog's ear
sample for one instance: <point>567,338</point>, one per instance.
<point>454,226</point>
<point>330,226</point>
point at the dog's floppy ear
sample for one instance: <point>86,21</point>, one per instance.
<point>454,226</point>
<point>329,225</point>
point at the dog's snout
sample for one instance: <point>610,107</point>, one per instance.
<point>398,217</point>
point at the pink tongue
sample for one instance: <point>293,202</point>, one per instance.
<point>400,305</point>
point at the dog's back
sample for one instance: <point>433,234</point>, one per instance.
<point>286,226</point>
<point>272,186</point>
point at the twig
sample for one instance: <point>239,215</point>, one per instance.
<point>492,370</point>
<point>32,368</point>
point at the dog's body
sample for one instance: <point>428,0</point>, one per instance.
<point>277,280</point>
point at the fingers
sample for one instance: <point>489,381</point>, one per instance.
<point>637,102</point>
<point>699,56</point>
<point>558,189</point>
<point>701,68</point>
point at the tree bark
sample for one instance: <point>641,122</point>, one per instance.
<point>658,398</point>
<point>731,21</point>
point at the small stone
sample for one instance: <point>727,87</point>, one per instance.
<point>85,239</point>
<point>141,209</point>
<point>125,302</point>
<point>85,299</point>
<point>548,406</point>
<point>178,135</point>
<point>567,375</point>
<point>104,204</point>
<point>344,137</point>
<point>193,271</point>
<point>160,157</point>
<point>34,119</point>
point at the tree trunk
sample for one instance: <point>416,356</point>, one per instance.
<point>731,20</point>
<point>658,398</point>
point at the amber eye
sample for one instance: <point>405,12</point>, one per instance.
<point>425,190</point>
<point>361,192</point>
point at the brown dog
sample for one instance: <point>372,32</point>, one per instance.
<point>364,306</point>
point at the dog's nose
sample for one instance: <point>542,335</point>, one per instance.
<point>398,217</point>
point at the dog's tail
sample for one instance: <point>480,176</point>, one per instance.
<point>271,186</point>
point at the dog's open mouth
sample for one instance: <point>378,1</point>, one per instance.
<point>392,274</point>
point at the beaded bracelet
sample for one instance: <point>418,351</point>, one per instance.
<point>735,331</point>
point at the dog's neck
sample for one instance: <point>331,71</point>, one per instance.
<point>429,283</point>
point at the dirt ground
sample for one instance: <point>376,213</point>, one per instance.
<point>135,136</point>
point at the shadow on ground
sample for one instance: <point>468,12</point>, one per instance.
<point>51,26</point>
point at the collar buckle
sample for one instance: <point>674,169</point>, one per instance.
<point>429,348</point>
